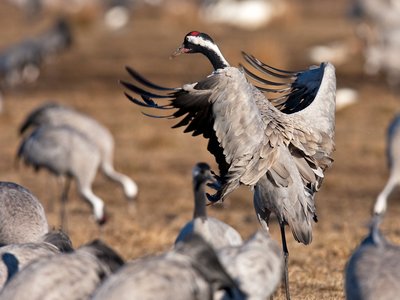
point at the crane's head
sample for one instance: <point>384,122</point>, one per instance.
<point>200,42</point>
<point>202,174</point>
<point>195,42</point>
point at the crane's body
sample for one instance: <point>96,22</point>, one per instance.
<point>281,146</point>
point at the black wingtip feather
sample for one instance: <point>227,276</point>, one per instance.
<point>145,81</point>
<point>269,70</point>
<point>154,104</point>
<point>136,101</point>
<point>251,59</point>
<point>158,117</point>
<point>264,81</point>
<point>141,91</point>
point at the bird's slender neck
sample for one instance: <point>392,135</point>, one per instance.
<point>375,233</point>
<point>199,200</point>
<point>216,58</point>
<point>211,51</point>
<point>130,187</point>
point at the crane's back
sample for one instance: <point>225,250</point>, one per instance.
<point>22,217</point>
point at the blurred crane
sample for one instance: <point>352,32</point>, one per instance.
<point>256,265</point>
<point>116,13</point>
<point>15,257</point>
<point>217,233</point>
<point>21,62</point>
<point>64,151</point>
<point>190,271</point>
<point>373,270</point>
<point>379,28</point>
<point>393,161</point>
<point>56,114</point>
<point>22,217</point>
<point>378,14</point>
<point>73,275</point>
<point>55,40</point>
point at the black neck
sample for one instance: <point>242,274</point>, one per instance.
<point>216,60</point>
<point>199,200</point>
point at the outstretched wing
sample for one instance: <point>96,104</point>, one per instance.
<point>246,132</point>
<point>308,93</point>
<point>222,109</point>
<point>290,93</point>
<point>191,102</point>
<point>307,100</point>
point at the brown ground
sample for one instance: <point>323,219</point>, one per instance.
<point>160,159</point>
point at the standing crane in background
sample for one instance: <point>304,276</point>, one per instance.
<point>57,114</point>
<point>66,152</point>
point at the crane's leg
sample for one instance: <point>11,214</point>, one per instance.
<point>54,192</point>
<point>64,198</point>
<point>286,256</point>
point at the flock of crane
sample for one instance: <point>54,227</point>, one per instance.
<point>269,129</point>
<point>209,259</point>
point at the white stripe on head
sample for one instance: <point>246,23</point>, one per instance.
<point>200,41</point>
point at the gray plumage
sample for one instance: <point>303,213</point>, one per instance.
<point>215,232</point>
<point>379,27</point>
<point>55,40</point>
<point>15,257</point>
<point>304,153</point>
<point>281,147</point>
<point>64,276</point>
<point>56,114</point>
<point>393,161</point>
<point>59,239</point>
<point>381,56</point>
<point>65,152</point>
<point>287,148</point>
<point>21,62</point>
<point>190,271</point>
<point>382,14</point>
<point>22,217</point>
<point>373,270</point>
<point>256,266</point>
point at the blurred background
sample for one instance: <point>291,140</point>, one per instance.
<point>81,68</point>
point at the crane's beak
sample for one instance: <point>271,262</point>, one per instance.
<point>179,51</point>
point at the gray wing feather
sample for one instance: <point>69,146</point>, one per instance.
<point>245,130</point>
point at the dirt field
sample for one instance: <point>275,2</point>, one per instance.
<point>160,159</point>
